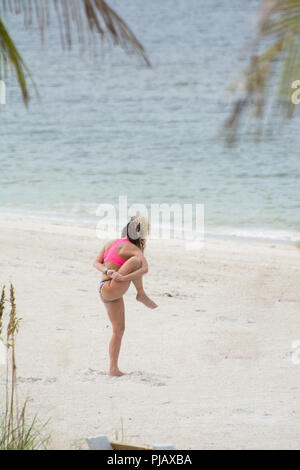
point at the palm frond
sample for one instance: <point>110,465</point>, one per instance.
<point>9,54</point>
<point>275,62</point>
<point>85,17</point>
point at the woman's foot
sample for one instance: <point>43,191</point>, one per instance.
<point>115,373</point>
<point>143,297</point>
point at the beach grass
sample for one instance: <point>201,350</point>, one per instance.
<point>17,430</point>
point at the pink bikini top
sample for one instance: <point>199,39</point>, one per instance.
<point>111,255</point>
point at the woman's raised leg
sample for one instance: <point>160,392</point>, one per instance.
<point>141,295</point>
<point>114,290</point>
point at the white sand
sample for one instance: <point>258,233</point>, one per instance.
<point>210,369</point>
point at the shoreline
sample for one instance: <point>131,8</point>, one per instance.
<point>90,223</point>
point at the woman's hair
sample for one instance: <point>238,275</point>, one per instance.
<point>137,231</point>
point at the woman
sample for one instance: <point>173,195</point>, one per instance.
<point>122,261</point>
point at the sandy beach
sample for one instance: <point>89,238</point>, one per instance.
<point>210,369</point>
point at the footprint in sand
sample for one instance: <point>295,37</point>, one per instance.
<point>223,318</point>
<point>32,380</point>
<point>242,411</point>
<point>152,379</point>
<point>92,375</point>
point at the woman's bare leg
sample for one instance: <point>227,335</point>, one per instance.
<point>141,295</point>
<point>113,290</point>
<point>116,313</point>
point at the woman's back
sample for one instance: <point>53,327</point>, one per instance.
<point>114,252</point>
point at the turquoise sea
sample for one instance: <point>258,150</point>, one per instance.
<point>107,126</point>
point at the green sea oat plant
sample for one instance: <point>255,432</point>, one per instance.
<point>17,430</point>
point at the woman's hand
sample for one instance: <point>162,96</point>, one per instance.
<point>117,277</point>
<point>110,273</point>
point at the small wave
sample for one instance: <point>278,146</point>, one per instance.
<point>88,218</point>
<point>289,236</point>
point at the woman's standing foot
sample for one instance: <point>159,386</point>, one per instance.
<point>116,373</point>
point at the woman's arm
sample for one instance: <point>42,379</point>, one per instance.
<point>136,274</point>
<point>98,263</point>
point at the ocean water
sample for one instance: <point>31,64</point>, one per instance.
<point>107,126</point>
